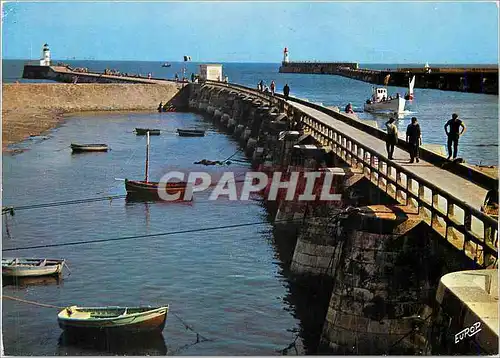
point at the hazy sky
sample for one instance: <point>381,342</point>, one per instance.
<point>365,32</point>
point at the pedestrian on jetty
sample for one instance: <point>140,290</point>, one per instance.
<point>414,139</point>
<point>273,87</point>
<point>286,91</point>
<point>454,134</point>
<point>392,137</point>
<point>192,77</point>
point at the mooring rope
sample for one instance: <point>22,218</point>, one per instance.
<point>31,302</point>
<point>188,327</point>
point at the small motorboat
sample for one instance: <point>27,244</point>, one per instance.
<point>17,267</point>
<point>114,319</point>
<point>143,131</point>
<point>80,148</point>
<point>191,132</point>
<point>380,102</point>
<point>166,64</point>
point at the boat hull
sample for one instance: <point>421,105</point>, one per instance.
<point>150,190</point>
<point>394,105</point>
<point>143,131</point>
<point>91,320</point>
<point>31,267</point>
<point>80,148</point>
<point>190,133</point>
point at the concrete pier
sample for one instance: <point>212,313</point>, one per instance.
<point>380,254</point>
<point>475,80</point>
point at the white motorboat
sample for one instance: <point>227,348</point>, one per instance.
<point>381,102</point>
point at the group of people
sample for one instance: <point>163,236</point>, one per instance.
<point>373,99</point>
<point>261,86</point>
<point>111,72</point>
<point>453,128</point>
<point>81,69</point>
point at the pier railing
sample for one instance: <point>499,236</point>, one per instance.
<point>465,227</point>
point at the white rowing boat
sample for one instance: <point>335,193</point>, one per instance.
<point>23,267</point>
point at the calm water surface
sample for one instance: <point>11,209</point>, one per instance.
<point>432,107</point>
<point>227,284</point>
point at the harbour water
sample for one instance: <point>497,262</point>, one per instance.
<point>432,107</point>
<point>227,285</point>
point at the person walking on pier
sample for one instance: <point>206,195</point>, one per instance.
<point>392,137</point>
<point>273,87</point>
<point>454,134</point>
<point>286,91</point>
<point>414,139</point>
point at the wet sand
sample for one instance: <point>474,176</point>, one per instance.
<point>32,109</point>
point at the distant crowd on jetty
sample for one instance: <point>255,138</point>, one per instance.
<point>112,72</point>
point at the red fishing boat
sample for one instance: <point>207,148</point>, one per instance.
<point>151,190</point>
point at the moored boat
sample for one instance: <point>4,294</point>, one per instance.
<point>22,267</point>
<point>191,132</point>
<point>151,190</point>
<point>79,148</point>
<point>117,319</point>
<point>143,131</point>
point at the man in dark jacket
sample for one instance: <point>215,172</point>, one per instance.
<point>286,91</point>
<point>414,139</point>
<point>454,133</point>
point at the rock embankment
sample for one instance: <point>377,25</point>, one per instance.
<point>31,109</point>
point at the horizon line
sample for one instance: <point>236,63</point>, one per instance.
<point>260,62</point>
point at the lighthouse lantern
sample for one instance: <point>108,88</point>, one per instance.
<point>45,60</point>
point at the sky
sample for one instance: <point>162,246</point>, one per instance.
<point>240,31</point>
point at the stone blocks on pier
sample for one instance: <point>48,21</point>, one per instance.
<point>381,285</point>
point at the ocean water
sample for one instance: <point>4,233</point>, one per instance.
<point>432,107</point>
<point>226,285</point>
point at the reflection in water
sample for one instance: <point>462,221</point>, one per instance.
<point>308,296</point>
<point>137,344</point>
<point>22,282</point>
<point>132,198</point>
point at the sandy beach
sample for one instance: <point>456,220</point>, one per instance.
<point>31,109</point>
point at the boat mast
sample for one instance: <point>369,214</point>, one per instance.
<point>147,156</point>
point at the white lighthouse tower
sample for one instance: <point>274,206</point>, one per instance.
<point>45,61</point>
<point>285,55</point>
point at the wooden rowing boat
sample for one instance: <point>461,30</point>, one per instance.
<point>121,319</point>
<point>148,189</point>
<point>191,132</point>
<point>143,131</point>
<point>17,267</point>
<point>80,148</point>
<point>151,190</point>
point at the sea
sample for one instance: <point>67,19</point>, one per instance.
<point>228,287</point>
